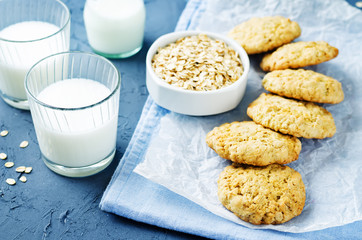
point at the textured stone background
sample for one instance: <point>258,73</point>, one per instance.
<point>50,206</point>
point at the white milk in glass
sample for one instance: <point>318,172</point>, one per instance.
<point>19,57</point>
<point>114,26</point>
<point>76,138</point>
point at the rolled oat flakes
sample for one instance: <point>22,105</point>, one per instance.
<point>198,63</point>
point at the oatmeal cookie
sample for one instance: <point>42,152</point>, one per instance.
<point>250,143</point>
<point>273,194</point>
<point>298,54</point>
<point>304,85</point>
<point>293,117</point>
<point>262,34</point>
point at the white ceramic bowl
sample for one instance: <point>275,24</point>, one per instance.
<point>196,103</point>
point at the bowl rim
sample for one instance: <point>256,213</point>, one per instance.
<point>173,36</point>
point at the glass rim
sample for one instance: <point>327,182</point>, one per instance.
<point>111,94</point>
<point>67,22</point>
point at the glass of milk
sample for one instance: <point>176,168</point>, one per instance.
<point>74,101</point>
<point>29,31</point>
<point>115,28</point>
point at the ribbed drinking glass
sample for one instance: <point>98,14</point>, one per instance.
<point>74,100</point>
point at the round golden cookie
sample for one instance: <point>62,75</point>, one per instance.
<point>304,85</point>
<point>273,194</point>
<point>297,55</point>
<point>250,143</point>
<point>293,117</point>
<point>261,34</point>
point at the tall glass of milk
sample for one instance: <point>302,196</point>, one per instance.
<point>115,28</point>
<point>74,100</point>
<point>29,31</point>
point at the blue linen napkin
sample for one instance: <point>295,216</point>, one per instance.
<point>132,196</point>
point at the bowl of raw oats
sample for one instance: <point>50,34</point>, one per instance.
<point>196,73</point>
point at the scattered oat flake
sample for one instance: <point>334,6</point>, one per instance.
<point>9,164</point>
<point>23,179</point>
<point>4,133</point>
<point>10,181</point>
<point>3,156</point>
<point>24,144</point>
<point>20,169</point>
<point>28,169</point>
<point>359,4</point>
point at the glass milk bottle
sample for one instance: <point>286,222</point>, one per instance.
<point>115,28</point>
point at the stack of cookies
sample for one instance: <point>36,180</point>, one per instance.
<point>257,187</point>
